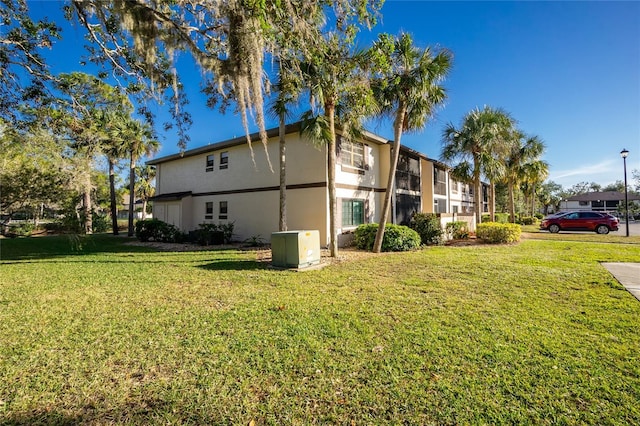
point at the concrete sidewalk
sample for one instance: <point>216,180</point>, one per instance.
<point>627,274</point>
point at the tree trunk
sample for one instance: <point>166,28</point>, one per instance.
<point>512,203</point>
<point>132,195</point>
<point>282,226</point>
<point>492,204</point>
<point>86,206</point>
<point>477,192</point>
<point>331,177</point>
<point>395,154</point>
<point>112,197</point>
<point>533,201</point>
<point>144,208</point>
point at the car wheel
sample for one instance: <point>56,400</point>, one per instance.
<point>602,229</point>
<point>554,229</point>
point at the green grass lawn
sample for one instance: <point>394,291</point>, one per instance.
<point>95,331</point>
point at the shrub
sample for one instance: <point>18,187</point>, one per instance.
<point>529,220</point>
<point>157,230</point>
<point>210,233</point>
<point>499,218</point>
<point>100,222</point>
<point>24,229</point>
<point>497,233</point>
<point>227,231</point>
<point>539,216</point>
<point>396,237</point>
<point>458,230</point>
<point>427,225</point>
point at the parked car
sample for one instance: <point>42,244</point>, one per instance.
<point>602,223</point>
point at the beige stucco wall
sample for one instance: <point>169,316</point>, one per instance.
<point>189,174</point>
<point>426,168</point>
<point>256,213</point>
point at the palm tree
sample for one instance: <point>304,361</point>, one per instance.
<point>287,91</point>
<point>115,150</point>
<point>144,185</point>
<point>522,163</point>
<point>478,141</point>
<point>335,82</point>
<point>408,90</point>
<point>138,138</point>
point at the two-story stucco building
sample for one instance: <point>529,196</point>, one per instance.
<point>224,182</point>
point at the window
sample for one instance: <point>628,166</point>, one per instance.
<point>408,173</point>
<point>352,154</point>
<point>208,210</point>
<point>583,203</point>
<point>223,210</point>
<point>209,167</point>
<point>352,212</point>
<point>224,160</point>
<point>439,181</point>
<point>454,186</point>
<point>439,206</point>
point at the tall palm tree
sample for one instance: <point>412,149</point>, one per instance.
<point>114,150</point>
<point>335,81</point>
<point>287,92</point>
<point>139,140</point>
<point>408,89</point>
<point>144,185</point>
<point>478,141</point>
<point>522,163</point>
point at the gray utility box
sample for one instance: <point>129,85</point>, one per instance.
<point>295,249</point>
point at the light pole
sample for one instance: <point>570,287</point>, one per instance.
<point>624,153</point>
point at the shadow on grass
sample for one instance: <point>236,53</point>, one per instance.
<point>145,412</point>
<point>73,249</point>
<point>65,245</point>
<point>234,265</point>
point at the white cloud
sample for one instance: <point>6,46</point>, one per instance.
<point>603,173</point>
<point>592,169</point>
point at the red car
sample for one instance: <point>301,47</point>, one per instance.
<point>599,222</point>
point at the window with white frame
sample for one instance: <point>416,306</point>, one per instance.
<point>352,154</point>
<point>223,212</point>
<point>224,160</point>
<point>454,186</point>
<point>208,210</point>
<point>209,167</point>
<point>352,212</point>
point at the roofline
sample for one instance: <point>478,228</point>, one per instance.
<point>253,137</point>
<point>604,196</point>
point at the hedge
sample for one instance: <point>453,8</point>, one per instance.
<point>157,230</point>
<point>428,226</point>
<point>497,233</point>
<point>396,237</point>
<point>458,230</point>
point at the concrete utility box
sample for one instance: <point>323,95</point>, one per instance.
<point>295,249</point>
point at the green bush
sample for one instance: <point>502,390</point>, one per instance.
<point>100,223</point>
<point>24,229</point>
<point>210,233</point>
<point>458,230</point>
<point>157,230</point>
<point>396,237</point>
<point>499,218</point>
<point>497,233</point>
<point>539,216</point>
<point>529,220</point>
<point>427,225</point>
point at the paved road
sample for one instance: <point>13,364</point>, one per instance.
<point>634,228</point>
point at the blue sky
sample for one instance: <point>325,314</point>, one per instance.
<point>569,72</point>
